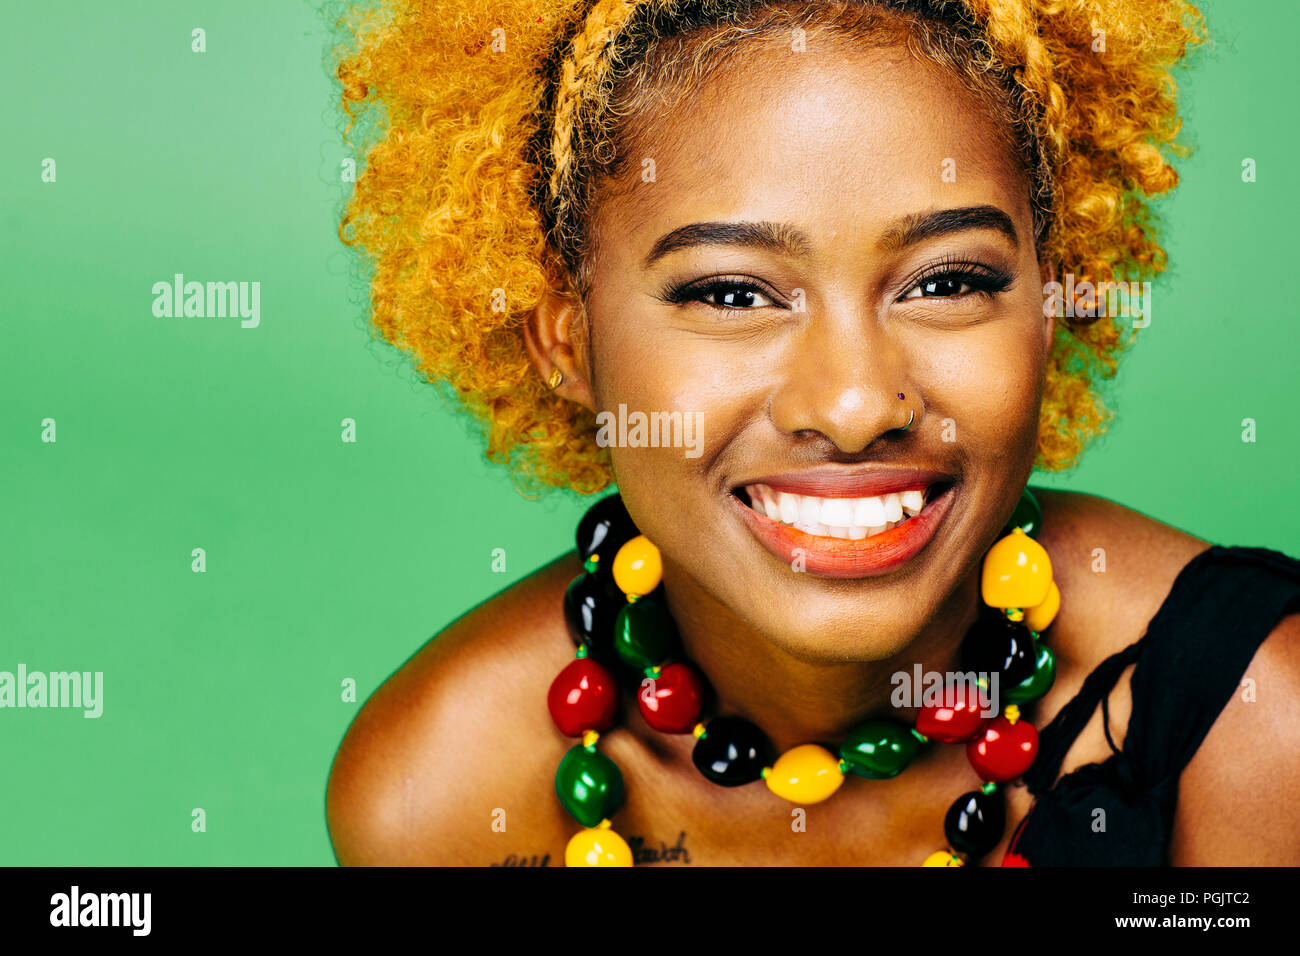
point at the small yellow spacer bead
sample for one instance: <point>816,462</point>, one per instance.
<point>1041,616</point>
<point>943,858</point>
<point>1011,713</point>
<point>1015,614</point>
<point>605,823</point>
<point>589,737</point>
<point>697,731</point>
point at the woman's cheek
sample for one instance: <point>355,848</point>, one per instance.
<point>691,412</point>
<point>988,384</point>
<point>694,377</point>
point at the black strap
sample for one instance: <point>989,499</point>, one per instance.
<point>1222,606</point>
<point>1199,644</point>
<point>1055,740</point>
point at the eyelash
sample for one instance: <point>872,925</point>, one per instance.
<point>983,280</point>
<point>696,291</point>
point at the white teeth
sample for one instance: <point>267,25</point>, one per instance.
<point>837,512</point>
<point>913,501</point>
<point>868,512</point>
<point>854,518</point>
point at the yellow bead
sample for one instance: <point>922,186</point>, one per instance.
<point>638,567</point>
<point>943,858</point>
<point>1039,618</point>
<point>597,846</point>
<point>805,774</point>
<point>1017,572</point>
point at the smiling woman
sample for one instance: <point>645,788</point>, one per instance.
<point>826,231</point>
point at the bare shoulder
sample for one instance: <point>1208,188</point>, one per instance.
<point>455,740</point>
<point>1236,802</point>
<point>1113,564</point>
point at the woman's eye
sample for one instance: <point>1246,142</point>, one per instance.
<point>731,295</point>
<point>940,287</point>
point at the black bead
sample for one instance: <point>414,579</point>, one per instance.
<point>604,529</point>
<point>732,752</point>
<point>604,573</point>
<point>975,823</point>
<point>995,643</point>
<point>590,611</point>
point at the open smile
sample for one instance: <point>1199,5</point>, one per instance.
<point>841,535</point>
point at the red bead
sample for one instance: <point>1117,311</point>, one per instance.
<point>1005,751</point>
<point>1014,859</point>
<point>953,725</point>
<point>583,696</point>
<point>671,702</point>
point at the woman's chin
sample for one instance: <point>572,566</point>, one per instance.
<point>859,637</point>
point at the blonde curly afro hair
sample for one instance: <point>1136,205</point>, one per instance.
<point>487,127</point>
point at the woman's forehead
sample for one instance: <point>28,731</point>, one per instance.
<point>851,141</point>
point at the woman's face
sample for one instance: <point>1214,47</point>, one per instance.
<point>897,257</point>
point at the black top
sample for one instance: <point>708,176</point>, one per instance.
<point>1190,661</point>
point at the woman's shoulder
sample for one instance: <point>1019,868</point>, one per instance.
<point>1104,551</point>
<point>426,773</point>
<point>1236,802</point>
<point>1115,567</point>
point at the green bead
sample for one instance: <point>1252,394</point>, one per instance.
<point>644,633</point>
<point>589,784</point>
<point>1028,515</point>
<point>879,749</point>
<point>1040,681</point>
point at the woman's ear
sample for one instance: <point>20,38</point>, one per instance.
<point>555,333</point>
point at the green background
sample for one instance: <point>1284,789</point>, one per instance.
<point>329,560</point>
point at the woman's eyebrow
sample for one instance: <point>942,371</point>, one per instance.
<point>776,236</point>
<point>920,226</point>
<point>784,238</point>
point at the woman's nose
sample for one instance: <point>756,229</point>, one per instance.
<point>842,379</point>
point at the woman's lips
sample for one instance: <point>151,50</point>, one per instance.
<point>849,557</point>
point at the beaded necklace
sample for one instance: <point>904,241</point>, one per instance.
<point>617,617</point>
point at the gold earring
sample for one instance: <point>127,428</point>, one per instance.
<point>556,378</point>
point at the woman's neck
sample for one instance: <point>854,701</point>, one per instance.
<point>796,701</point>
